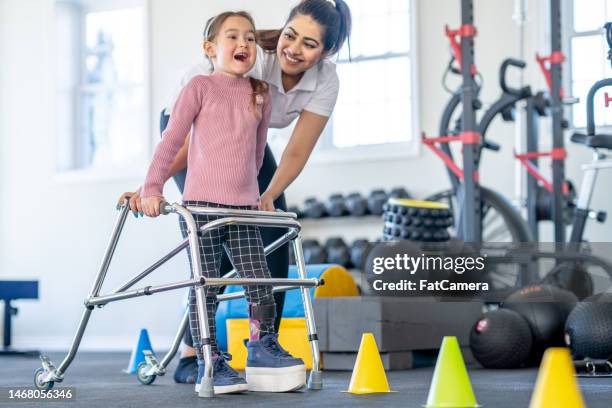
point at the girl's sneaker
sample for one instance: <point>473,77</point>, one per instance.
<point>270,368</point>
<point>226,379</point>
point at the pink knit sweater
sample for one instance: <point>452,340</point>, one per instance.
<point>227,144</point>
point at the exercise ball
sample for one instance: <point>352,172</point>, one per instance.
<point>588,330</point>
<point>501,339</point>
<point>545,308</point>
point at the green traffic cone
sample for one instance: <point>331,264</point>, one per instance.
<point>450,386</point>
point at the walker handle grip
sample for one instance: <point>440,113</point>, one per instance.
<point>163,208</point>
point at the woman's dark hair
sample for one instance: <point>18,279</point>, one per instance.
<point>211,30</point>
<point>333,16</point>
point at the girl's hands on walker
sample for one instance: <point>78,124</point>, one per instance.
<point>150,205</point>
<point>266,203</point>
<point>134,203</point>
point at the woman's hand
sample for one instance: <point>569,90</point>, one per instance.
<point>150,205</point>
<point>134,203</point>
<point>266,202</point>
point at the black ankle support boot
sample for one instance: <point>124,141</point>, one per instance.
<point>187,370</point>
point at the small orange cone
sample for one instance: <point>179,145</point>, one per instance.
<point>368,374</point>
<point>556,385</point>
<point>450,385</point>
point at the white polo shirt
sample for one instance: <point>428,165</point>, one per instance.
<point>316,92</point>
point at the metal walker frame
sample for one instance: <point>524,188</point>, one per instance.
<point>45,377</point>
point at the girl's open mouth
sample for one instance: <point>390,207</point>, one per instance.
<point>241,56</point>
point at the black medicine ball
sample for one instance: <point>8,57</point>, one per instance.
<point>545,308</point>
<point>588,330</point>
<point>501,339</point>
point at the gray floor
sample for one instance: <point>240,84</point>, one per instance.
<point>99,382</point>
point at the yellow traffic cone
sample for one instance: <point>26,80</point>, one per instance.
<point>368,374</point>
<point>556,385</point>
<point>450,386</point>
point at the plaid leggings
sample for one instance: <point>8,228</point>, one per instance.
<point>246,251</point>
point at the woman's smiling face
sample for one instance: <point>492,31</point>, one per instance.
<point>300,45</point>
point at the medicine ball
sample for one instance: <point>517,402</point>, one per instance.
<point>572,276</point>
<point>588,330</point>
<point>501,339</point>
<point>545,308</point>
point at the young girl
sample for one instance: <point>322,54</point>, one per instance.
<point>228,114</point>
<point>297,63</point>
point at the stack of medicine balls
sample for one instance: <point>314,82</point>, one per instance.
<point>528,321</point>
<point>415,220</point>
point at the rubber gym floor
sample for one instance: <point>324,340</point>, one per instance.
<point>99,382</point>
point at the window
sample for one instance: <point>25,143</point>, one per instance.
<point>587,55</point>
<point>375,106</point>
<point>101,96</point>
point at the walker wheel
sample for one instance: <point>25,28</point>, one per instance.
<point>141,374</point>
<point>38,382</point>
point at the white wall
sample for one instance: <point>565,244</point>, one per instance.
<point>55,231</point>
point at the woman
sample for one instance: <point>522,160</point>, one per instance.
<point>304,86</point>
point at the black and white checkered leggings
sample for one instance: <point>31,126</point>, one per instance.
<point>245,250</point>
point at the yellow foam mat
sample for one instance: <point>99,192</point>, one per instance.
<point>293,336</point>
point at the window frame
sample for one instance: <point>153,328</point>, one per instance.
<point>110,172</point>
<point>567,34</point>
<point>326,152</point>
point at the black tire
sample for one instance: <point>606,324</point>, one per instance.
<point>512,227</point>
<point>501,224</point>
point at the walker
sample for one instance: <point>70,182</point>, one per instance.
<point>46,376</point>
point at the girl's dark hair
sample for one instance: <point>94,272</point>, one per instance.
<point>211,30</point>
<point>333,16</point>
